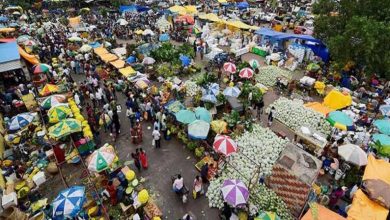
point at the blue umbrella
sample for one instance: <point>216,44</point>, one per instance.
<point>185,116</point>
<point>3,19</point>
<point>384,109</point>
<point>131,59</point>
<point>208,97</point>
<point>69,202</point>
<point>185,60</point>
<point>213,89</point>
<point>13,24</point>
<point>20,121</point>
<point>232,91</point>
<point>242,5</point>
<point>163,37</point>
<point>198,130</point>
<point>383,126</point>
<point>203,114</point>
<point>95,44</point>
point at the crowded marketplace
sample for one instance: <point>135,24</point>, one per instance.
<point>190,110</point>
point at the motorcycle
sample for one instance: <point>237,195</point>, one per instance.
<point>183,193</point>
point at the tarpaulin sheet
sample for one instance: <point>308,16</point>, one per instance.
<point>318,107</point>
<point>100,51</point>
<point>322,213</point>
<point>75,21</point>
<point>118,64</point>
<point>9,52</point>
<point>108,57</point>
<point>285,36</point>
<point>128,71</point>
<point>363,208</point>
<point>337,100</point>
<point>377,169</point>
<point>30,58</point>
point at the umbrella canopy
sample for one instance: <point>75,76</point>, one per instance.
<point>69,202</point>
<point>185,60</point>
<point>53,101</point>
<point>219,126</point>
<point>384,143</point>
<point>235,192</point>
<point>58,113</point>
<point>340,120</point>
<point>75,39</point>
<point>246,73</point>
<point>353,154</point>
<point>85,48</point>
<point>48,89</point>
<point>3,19</point>
<point>20,121</point>
<point>313,67</point>
<point>122,22</point>
<point>148,32</point>
<point>23,38</point>
<point>213,89</point>
<point>224,144</point>
<point>243,5</point>
<point>267,216</point>
<point>148,61</point>
<point>131,59</point>
<point>185,116</point>
<point>41,68</point>
<point>230,67</point>
<point>203,114</point>
<point>101,159</point>
<point>254,64</point>
<point>164,37</point>
<point>232,91</point>
<point>198,130</point>
<point>384,109</point>
<point>208,97</point>
<point>29,43</point>
<point>64,128</point>
<point>383,126</point>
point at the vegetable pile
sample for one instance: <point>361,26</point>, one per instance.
<point>191,88</point>
<point>268,75</point>
<point>258,151</point>
<point>294,115</point>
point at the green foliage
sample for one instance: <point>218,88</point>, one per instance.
<point>199,152</point>
<point>186,49</point>
<point>205,79</point>
<point>232,119</point>
<point>191,145</point>
<point>359,33</point>
<point>221,98</point>
<point>165,70</point>
<point>165,53</point>
<point>208,105</point>
<point>243,65</point>
<point>64,21</point>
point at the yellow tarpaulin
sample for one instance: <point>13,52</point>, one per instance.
<point>108,57</point>
<point>177,9</point>
<point>322,213</point>
<point>100,51</point>
<point>6,30</point>
<point>363,208</point>
<point>191,9</point>
<point>320,87</point>
<point>318,107</point>
<point>240,24</point>
<point>337,100</point>
<point>30,58</point>
<point>210,17</point>
<point>75,21</point>
<point>128,71</point>
<point>118,64</point>
<point>377,169</point>
<point>222,1</point>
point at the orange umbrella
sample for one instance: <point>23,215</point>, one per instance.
<point>48,89</point>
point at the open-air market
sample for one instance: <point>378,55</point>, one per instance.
<point>194,110</point>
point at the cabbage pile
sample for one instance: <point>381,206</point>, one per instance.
<point>268,75</point>
<point>258,151</point>
<point>191,88</point>
<point>163,24</point>
<point>294,115</point>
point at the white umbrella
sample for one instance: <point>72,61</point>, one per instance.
<point>275,57</point>
<point>148,61</point>
<point>353,154</point>
<point>148,32</point>
<point>85,48</point>
<point>122,22</point>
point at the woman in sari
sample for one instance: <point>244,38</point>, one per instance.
<point>143,158</point>
<point>138,128</point>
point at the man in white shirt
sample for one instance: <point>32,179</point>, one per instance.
<point>178,183</point>
<point>156,137</point>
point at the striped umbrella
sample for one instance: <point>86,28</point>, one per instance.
<point>101,159</point>
<point>58,113</point>
<point>224,144</point>
<point>246,73</point>
<point>41,68</point>
<point>69,202</point>
<point>340,120</point>
<point>229,67</point>
<point>20,121</point>
<point>64,128</point>
<point>235,192</point>
<point>53,101</point>
<point>48,89</point>
<point>232,91</point>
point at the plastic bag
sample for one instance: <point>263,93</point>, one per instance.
<point>194,193</point>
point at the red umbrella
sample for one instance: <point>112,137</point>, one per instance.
<point>229,67</point>
<point>246,73</point>
<point>224,144</point>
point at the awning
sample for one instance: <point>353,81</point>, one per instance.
<point>100,51</point>
<point>210,17</point>
<point>9,52</point>
<point>11,65</point>
<point>128,71</point>
<point>118,64</point>
<point>108,57</point>
<point>377,169</point>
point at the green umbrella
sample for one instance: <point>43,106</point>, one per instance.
<point>185,116</point>
<point>267,216</point>
<point>64,128</point>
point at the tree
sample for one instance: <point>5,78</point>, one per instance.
<point>356,31</point>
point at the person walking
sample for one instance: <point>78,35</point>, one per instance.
<point>156,137</point>
<point>115,121</point>
<point>204,171</point>
<point>198,185</point>
<point>143,159</point>
<point>271,116</point>
<point>138,128</point>
<point>136,160</point>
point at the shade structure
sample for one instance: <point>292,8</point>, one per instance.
<point>185,116</point>
<point>148,61</point>
<point>225,145</point>
<point>235,192</point>
<point>118,64</point>
<point>313,67</point>
<point>75,39</point>
<point>85,48</point>
<point>139,32</point>
<point>383,126</point>
<point>53,101</point>
<point>254,64</point>
<point>385,109</point>
<point>203,114</point>
<point>58,113</point>
<point>232,91</point>
<point>198,130</point>
<point>164,37</point>
<point>177,9</point>
<point>127,71</point>
<point>218,126</point>
<point>101,159</point>
<point>41,68</point>
<point>243,5</point>
<point>69,202</point>
<point>267,216</point>
<point>131,59</point>
<point>337,100</point>
<point>353,154</point>
<point>246,73</point>
<point>208,97</point>
<point>382,143</point>
<point>48,89</point>
<point>213,89</point>
<point>20,121</point>
<point>147,32</point>
<point>64,128</point>
<point>340,120</point>
<point>3,19</point>
<point>122,22</point>
<point>185,60</point>
<point>321,212</point>
<point>230,67</point>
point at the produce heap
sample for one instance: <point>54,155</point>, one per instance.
<point>294,114</point>
<point>258,152</point>
<point>268,75</point>
<point>191,88</point>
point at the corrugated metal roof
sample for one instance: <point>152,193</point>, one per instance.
<point>11,65</point>
<point>9,52</point>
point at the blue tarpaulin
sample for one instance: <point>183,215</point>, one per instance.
<point>285,36</point>
<point>242,5</point>
<point>185,60</point>
<point>9,52</point>
<point>95,45</point>
<point>133,8</point>
<point>3,19</point>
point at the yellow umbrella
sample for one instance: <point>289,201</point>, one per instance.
<point>178,9</point>
<point>139,32</point>
<point>58,113</point>
<point>218,126</point>
<point>191,9</point>
<point>48,89</point>
<point>64,128</point>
